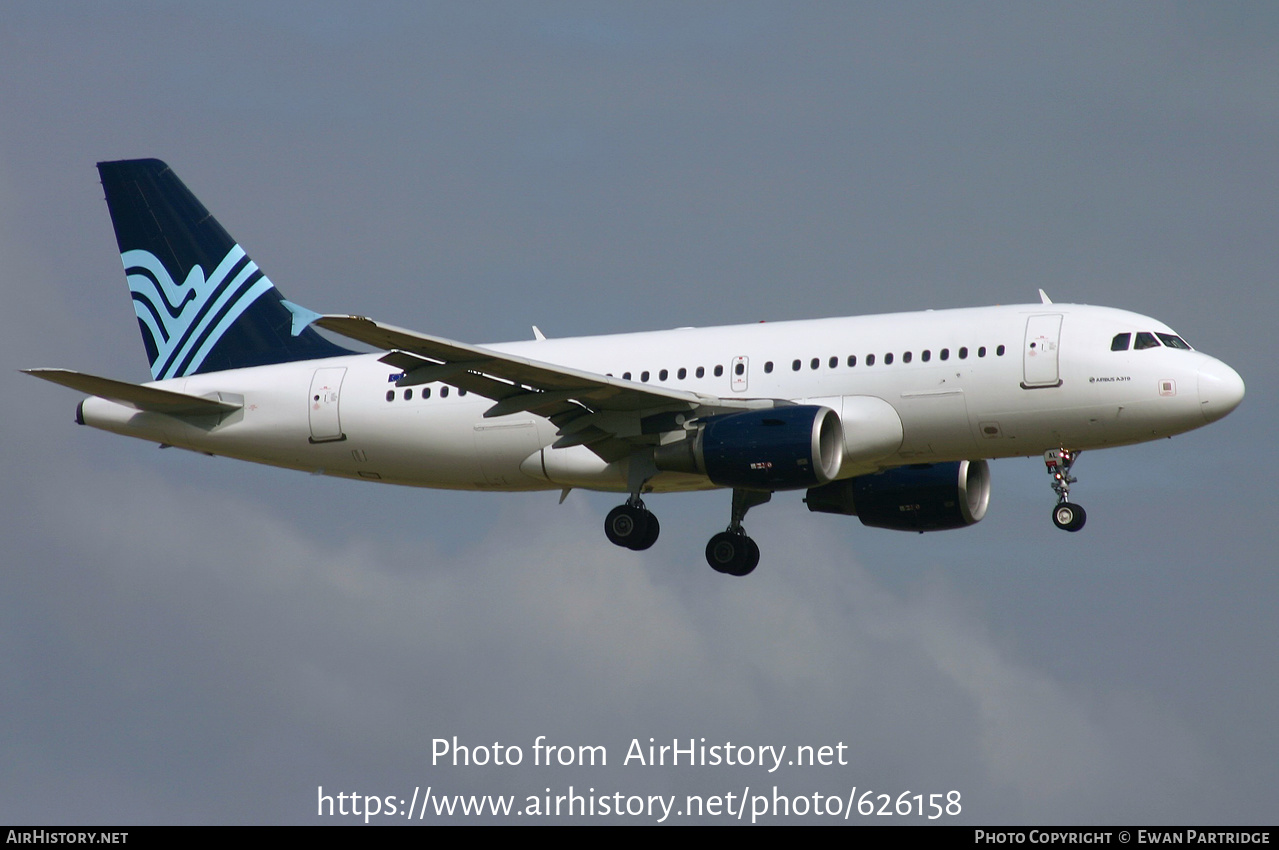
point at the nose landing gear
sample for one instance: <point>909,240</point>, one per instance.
<point>1067,515</point>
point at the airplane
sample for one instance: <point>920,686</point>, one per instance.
<point>890,418</point>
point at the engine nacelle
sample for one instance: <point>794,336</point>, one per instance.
<point>921,497</point>
<point>784,448</point>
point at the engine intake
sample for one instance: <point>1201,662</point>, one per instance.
<point>784,448</point>
<point>920,497</point>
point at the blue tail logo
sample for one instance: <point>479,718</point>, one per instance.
<point>186,320</point>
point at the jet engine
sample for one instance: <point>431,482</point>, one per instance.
<point>921,497</point>
<point>784,448</point>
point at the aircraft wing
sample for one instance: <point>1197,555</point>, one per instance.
<point>589,408</point>
<point>137,396</point>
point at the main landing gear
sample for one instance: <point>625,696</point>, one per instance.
<point>633,526</point>
<point>731,551</point>
<point>1066,514</point>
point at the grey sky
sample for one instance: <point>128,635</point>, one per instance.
<point>200,640</point>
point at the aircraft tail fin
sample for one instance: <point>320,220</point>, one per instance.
<point>202,304</point>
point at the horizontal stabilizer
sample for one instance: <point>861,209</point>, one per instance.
<point>135,395</point>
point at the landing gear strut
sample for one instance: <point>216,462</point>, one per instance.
<point>632,526</point>
<point>731,551</point>
<point>1066,514</point>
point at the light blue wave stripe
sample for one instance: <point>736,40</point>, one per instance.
<point>192,334</point>
<point>255,292</point>
<point>164,291</point>
<point>170,290</point>
<point>148,319</point>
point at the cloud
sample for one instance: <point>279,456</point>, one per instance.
<point>240,654</point>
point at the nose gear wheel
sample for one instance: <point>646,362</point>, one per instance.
<point>1068,516</point>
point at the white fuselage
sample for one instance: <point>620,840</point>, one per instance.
<point>955,384</point>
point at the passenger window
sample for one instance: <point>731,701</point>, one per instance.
<point>963,352</point>
<point>981,352</point>
<point>426,393</point>
<point>852,360</point>
<point>444,392</point>
<point>906,357</point>
<point>768,367</point>
<point>814,363</point>
<point>1145,340</point>
<point>390,395</point>
<point>999,351</point>
<point>1120,342</point>
<point>794,366</point>
<point>834,362</point>
<point>888,359</point>
<point>719,371</point>
<point>945,354</point>
<point>926,355</point>
<point>661,376</point>
<point>682,373</point>
<point>870,360</point>
<point>408,395</point>
<point>461,392</point>
<point>701,372</point>
<point>644,376</point>
<point>739,368</point>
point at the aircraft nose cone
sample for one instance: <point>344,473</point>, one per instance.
<point>1220,390</point>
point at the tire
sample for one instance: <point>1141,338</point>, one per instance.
<point>723,551</point>
<point>732,554</point>
<point>1068,516</point>
<point>653,529</point>
<point>752,558</point>
<point>627,526</point>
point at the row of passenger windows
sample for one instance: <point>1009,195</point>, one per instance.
<point>1146,339</point>
<point>681,373</point>
<point>426,393</point>
<point>1120,342</point>
<point>925,356</point>
<point>796,365</point>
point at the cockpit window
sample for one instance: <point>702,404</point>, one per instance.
<point>1173,341</point>
<point>1145,340</point>
<point>1120,342</point>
